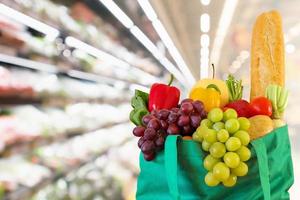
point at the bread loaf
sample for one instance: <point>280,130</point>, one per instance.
<point>260,126</point>
<point>267,53</point>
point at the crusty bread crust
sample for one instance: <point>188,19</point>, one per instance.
<point>267,53</point>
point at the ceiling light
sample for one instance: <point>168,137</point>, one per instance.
<point>127,22</point>
<point>225,20</point>
<point>73,42</point>
<point>204,71</point>
<point>204,52</point>
<point>205,2</point>
<point>166,39</point>
<point>117,12</point>
<point>146,6</point>
<point>204,58</point>
<point>204,40</point>
<point>290,48</point>
<point>204,62</point>
<point>146,42</point>
<point>205,23</point>
<point>153,49</point>
<point>172,69</point>
<point>50,32</point>
<point>164,36</point>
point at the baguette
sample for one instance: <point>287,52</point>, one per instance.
<point>267,53</point>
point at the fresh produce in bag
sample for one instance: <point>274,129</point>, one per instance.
<point>211,92</point>
<point>166,117</point>
<point>216,144</point>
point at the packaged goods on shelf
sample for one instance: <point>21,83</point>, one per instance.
<point>67,161</point>
<point>84,184</point>
<point>27,123</point>
<point>12,131</point>
<point>92,115</point>
<point>10,85</point>
<point>63,109</point>
<point>58,52</point>
<point>12,34</point>
<point>81,147</point>
<point>42,85</point>
<point>117,178</point>
<point>14,173</point>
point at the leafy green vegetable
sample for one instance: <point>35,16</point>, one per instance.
<point>143,95</point>
<point>139,104</point>
<point>235,88</point>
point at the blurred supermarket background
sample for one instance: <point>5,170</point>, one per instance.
<point>69,67</point>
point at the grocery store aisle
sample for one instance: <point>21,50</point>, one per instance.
<point>69,68</point>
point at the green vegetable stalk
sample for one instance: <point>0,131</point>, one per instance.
<point>139,104</point>
<point>235,88</point>
<point>279,98</point>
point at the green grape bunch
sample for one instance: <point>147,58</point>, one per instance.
<point>225,138</point>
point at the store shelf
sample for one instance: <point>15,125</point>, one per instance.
<point>64,96</point>
<point>27,147</point>
<point>96,33</point>
<point>75,74</point>
<point>25,193</point>
<point>19,100</point>
<point>109,59</point>
<point>61,102</point>
<point>55,101</point>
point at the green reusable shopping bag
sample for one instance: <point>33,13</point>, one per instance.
<point>178,172</point>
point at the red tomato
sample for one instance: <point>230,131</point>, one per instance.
<point>261,106</point>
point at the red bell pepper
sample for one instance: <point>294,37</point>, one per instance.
<point>163,96</point>
<point>242,107</point>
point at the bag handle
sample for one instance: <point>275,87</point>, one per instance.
<point>263,167</point>
<point>171,165</point>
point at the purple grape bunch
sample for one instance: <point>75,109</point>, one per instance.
<point>157,125</point>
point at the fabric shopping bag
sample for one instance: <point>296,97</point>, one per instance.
<point>178,173</point>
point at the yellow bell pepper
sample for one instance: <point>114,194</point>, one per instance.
<point>221,86</point>
<point>210,97</point>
